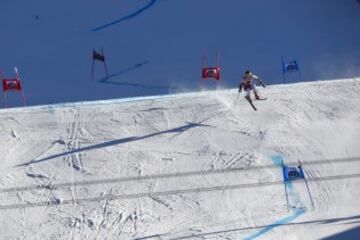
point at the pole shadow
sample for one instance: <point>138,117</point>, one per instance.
<point>352,232</point>
<point>110,80</point>
<point>134,14</point>
<point>178,130</point>
<point>126,70</point>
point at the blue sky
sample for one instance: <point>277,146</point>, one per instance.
<point>154,46</point>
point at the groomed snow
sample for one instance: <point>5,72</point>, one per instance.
<point>186,166</point>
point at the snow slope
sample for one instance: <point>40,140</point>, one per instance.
<point>154,46</point>
<point>184,166</point>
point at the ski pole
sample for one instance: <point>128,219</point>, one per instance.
<point>237,97</point>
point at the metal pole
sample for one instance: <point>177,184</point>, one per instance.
<point>307,186</point>
<point>203,60</point>
<point>282,69</point>
<point>284,78</point>
<point>23,96</point>
<point>285,182</point>
<point>5,100</point>
<point>105,66</point>
<point>92,70</point>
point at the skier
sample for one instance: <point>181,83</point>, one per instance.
<point>248,84</point>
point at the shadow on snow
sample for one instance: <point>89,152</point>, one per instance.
<point>354,232</point>
<point>108,80</point>
<point>177,130</point>
<point>134,14</point>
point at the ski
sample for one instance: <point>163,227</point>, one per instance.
<point>249,100</point>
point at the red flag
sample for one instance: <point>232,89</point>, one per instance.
<point>211,73</point>
<point>11,84</point>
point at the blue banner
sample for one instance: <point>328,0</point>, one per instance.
<point>293,173</point>
<point>291,66</point>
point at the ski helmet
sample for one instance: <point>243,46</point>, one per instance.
<point>248,72</point>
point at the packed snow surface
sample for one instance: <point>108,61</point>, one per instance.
<point>184,166</point>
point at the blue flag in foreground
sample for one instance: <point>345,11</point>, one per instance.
<point>291,66</point>
<point>293,173</point>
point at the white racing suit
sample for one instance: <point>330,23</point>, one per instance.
<point>248,84</point>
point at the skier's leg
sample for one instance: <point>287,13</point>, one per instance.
<point>247,96</point>
<point>256,94</point>
<point>253,87</point>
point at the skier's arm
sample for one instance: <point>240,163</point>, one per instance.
<point>262,83</point>
<point>260,80</point>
